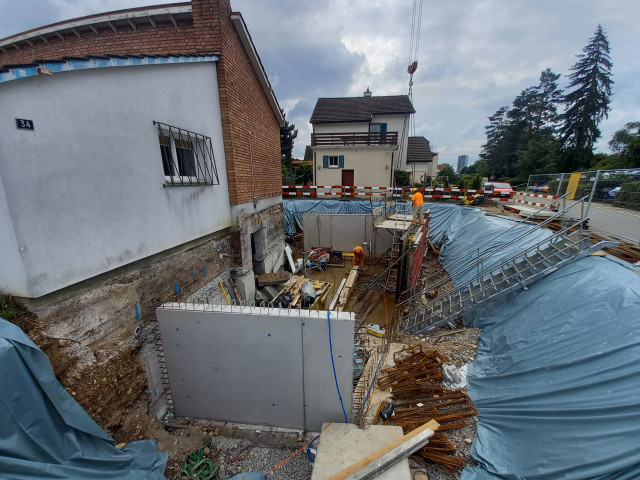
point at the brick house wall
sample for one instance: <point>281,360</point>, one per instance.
<point>250,128</point>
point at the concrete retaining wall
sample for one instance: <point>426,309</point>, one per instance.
<point>343,232</point>
<point>258,366</point>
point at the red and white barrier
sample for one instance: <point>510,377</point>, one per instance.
<point>539,200</point>
<point>366,191</point>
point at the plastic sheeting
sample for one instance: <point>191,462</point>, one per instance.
<point>45,433</point>
<point>555,381</point>
<point>293,210</point>
<point>466,233</point>
<point>555,378</point>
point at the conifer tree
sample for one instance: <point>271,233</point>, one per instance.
<point>587,103</point>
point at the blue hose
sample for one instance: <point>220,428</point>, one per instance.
<point>335,377</point>
<point>309,448</point>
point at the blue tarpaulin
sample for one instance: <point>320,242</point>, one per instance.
<point>555,380</point>
<point>45,433</point>
<point>466,233</point>
<point>293,210</point>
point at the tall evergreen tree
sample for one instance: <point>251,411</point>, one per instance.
<point>288,133</point>
<point>494,151</point>
<point>549,96</point>
<point>588,103</point>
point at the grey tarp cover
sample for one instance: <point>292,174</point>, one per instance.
<point>462,231</point>
<point>45,433</point>
<point>557,377</point>
<point>293,210</point>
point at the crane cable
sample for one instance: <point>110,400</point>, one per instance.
<point>414,46</point>
<point>414,49</point>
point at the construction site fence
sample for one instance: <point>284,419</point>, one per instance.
<point>614,197</point>
<point>342,191</point>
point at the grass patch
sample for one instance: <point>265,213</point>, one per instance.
<point>10,309</point>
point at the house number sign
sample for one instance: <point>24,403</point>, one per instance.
<point>24,124</point>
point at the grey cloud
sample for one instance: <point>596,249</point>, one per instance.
<point>475,55</point>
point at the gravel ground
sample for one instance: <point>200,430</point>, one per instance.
<point>236,456</point>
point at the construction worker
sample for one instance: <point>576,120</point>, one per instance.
<point>358,256</point>
<point>418,205</point>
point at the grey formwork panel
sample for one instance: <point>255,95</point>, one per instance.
<point>342,232</point>
<point>253,365</point>
<point>234,367</point>
<point>322,403</point>
<point>319,233</point>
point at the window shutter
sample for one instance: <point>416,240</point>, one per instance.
<point>325,161</point>
<point>383,127</point>
<point>341,161</point>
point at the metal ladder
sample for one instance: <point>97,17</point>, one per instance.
<point>511,275</point>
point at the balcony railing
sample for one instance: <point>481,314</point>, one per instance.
<point>344,139</point>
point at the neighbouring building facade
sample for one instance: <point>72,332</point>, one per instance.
<point>360,140</point>
<point>139,161</point>
<point>422,163</point>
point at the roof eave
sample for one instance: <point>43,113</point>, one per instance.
<point>67,26</point>
<point>254,58</point>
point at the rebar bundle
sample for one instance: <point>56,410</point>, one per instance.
<point>441,451</point>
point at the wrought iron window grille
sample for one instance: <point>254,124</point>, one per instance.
<point>187,157</point>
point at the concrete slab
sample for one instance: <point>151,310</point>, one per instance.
<point>343,444</point>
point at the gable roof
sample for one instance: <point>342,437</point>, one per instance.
<point>419,150</point>
<point>359,109</point>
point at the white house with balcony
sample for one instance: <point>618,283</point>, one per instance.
<point>360,140</point>
<point>422,162</point>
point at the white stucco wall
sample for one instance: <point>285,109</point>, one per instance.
<point>12,273</point>
<point>369,166</point>
<point>418,169</point>
<point>85,190</point>
<point>369,163</point>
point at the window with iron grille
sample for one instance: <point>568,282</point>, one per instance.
<point>187,157</point>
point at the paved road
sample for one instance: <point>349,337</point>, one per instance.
<point>616,220</point>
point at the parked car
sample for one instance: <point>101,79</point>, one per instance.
<point>503,190</point>
<point>611,194</point>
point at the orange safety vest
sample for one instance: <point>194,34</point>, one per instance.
<point>417,199</point>
<point>358,251</point>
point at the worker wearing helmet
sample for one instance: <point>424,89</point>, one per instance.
<point>418,205</point>
<point>358,256</point>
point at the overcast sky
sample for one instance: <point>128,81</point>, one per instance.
<point>474,55</point>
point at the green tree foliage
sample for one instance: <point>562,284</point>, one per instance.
<point>448,176</point>
<point>495,151</point>
<point>522,139</point>
<point>402,178</point>
<point>587,103</point>
<point>304,174</point>
<point>625,145</point>
<point>288,134</point>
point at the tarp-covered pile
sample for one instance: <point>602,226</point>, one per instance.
<point>45,433</point>
<point>555,381</point>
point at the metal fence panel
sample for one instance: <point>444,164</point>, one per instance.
<point>614,199</point>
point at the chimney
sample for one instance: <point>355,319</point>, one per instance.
<point>367,93</point>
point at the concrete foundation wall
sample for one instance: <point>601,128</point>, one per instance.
<point>259,366</point>
<point>343,232</point>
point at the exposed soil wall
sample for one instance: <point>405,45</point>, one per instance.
<point>89,330</point>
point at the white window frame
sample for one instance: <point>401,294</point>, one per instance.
<point>201,168</point>
<point>331,161</point>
